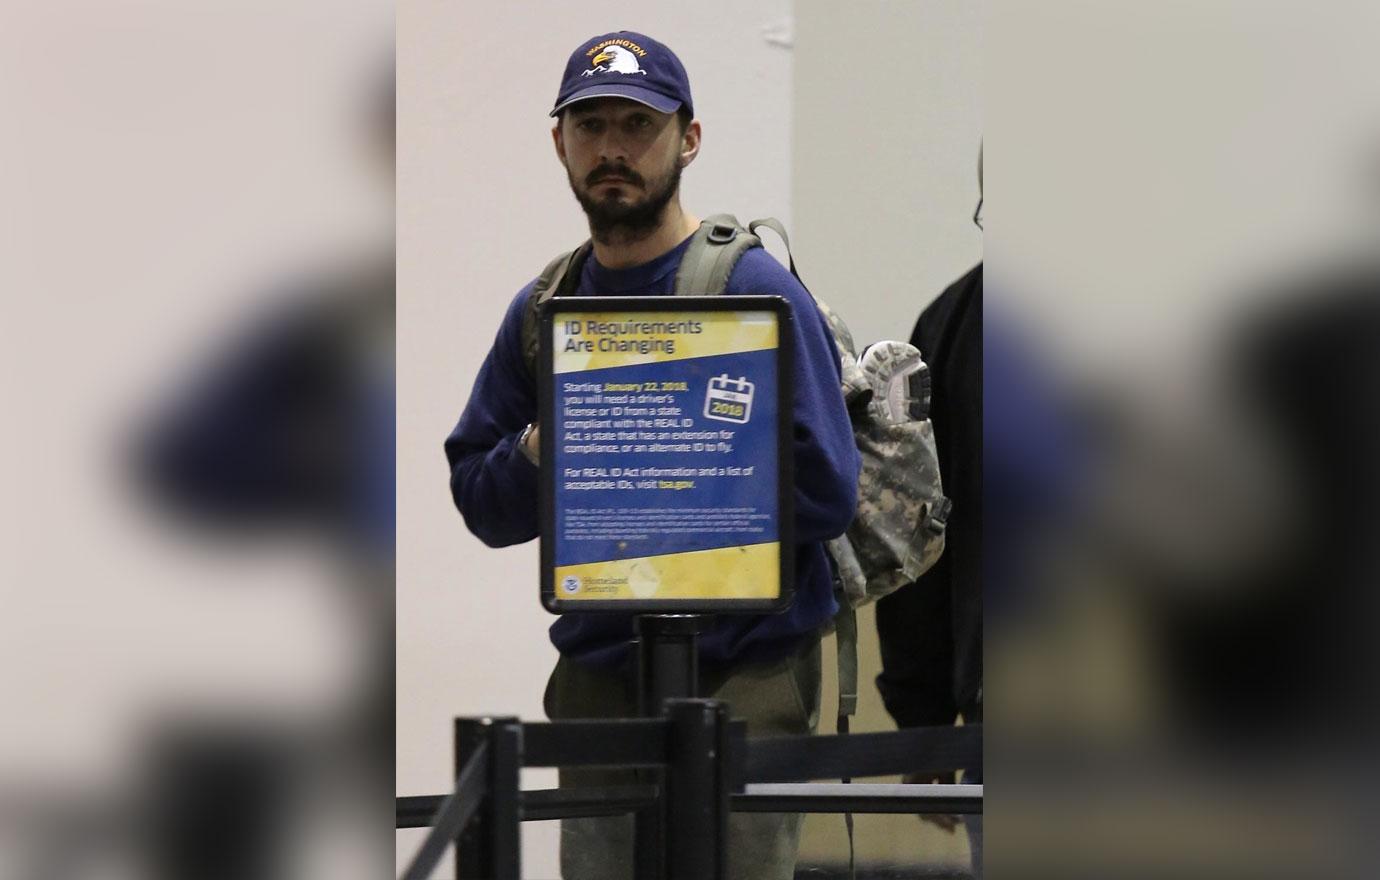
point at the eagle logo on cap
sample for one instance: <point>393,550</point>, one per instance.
<point>618,59</point>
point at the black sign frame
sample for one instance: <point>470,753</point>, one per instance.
<point>785,483</point>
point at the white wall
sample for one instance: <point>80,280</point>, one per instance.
<point>483,204</point>
<point>888,118</point>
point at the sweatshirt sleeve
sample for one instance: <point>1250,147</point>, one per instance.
<point>826,456</point>
<point>493,484</point>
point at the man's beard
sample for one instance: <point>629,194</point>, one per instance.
<point>612,220</point>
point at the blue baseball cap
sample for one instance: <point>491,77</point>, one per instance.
<point>625,65</point>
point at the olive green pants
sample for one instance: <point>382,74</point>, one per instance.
<point>775,699</point>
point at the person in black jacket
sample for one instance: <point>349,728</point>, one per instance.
<point>931,631</point>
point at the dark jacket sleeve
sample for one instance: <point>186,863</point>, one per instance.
<point>931,632</point>
<point>492,482</point>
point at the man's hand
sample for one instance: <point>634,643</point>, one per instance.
<point>942,821</point>
<point>531,443</point>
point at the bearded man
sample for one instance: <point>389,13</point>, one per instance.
<point>625,131</point>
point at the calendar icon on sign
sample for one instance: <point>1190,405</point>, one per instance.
<point>728,400</point>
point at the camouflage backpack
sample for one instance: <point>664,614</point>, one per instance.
<point>897,532</point>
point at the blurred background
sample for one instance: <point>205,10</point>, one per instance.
<point>1183,235</point>
<point>197,362</point>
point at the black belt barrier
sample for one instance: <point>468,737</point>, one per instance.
<point>710,770</point>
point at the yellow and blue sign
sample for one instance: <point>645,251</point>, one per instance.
<point>665,454</point>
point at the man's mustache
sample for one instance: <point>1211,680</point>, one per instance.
<point>614,172</point>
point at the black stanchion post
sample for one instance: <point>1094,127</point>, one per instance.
<point>667,659</point>
<point>490,847</point>
<point>667,668</point>
<point>471,855</point>
<point>697,791</point>
<point>647,842</point>
<point>505,794</point>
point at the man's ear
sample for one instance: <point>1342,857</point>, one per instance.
<point>690,143</point>
<point>559,141</point>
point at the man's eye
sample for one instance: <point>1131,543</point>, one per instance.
<point>589,125</point>
<point>640,121</point>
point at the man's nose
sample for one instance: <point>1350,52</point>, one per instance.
<point>613,146</point>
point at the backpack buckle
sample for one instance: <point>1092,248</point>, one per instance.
<point>722,233</point>
<point>939,517</point>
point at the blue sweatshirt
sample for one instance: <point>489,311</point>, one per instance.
<point>495,486</point>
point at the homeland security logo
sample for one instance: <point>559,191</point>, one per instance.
<point>570,583</point>
<point>616,56</point>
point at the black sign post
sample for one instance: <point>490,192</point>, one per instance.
<point>667,492</point>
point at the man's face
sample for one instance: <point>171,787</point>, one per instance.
<point>624,161</point>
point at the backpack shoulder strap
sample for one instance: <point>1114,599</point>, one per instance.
<point>842,335</point>
<point>846,634</point>
<point>559,278</point>
<point>713,252</point>
<point>779,228</point>
<point>856,390</point>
